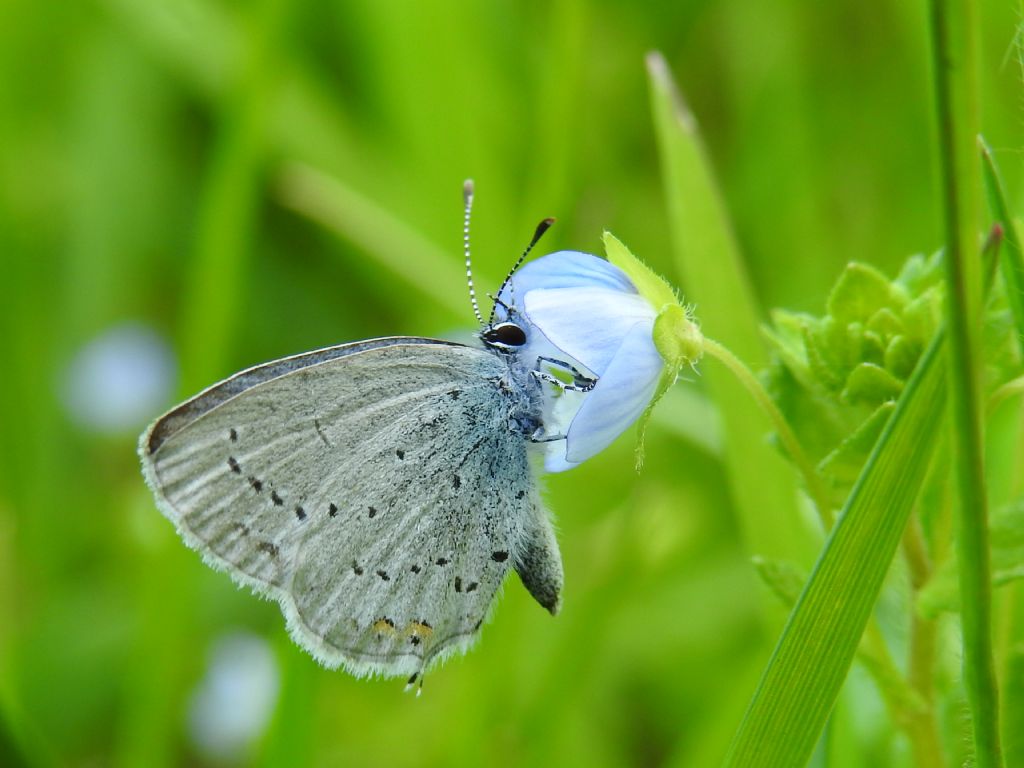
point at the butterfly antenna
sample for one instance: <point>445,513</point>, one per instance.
<point>467,201</point>
<point>537,235</point>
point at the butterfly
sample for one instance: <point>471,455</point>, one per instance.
<point>380,491</point>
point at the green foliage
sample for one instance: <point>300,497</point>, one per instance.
<point>837,376</point>
<point>1006,528</point>
<point>811,660</point>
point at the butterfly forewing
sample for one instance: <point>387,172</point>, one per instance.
<point>380,492</point>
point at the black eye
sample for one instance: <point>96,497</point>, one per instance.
<point>505,335</point>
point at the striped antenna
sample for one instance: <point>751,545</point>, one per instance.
<point>541,229</point>
<point>467,200</point>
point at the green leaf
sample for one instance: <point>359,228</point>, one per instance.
<point>822,344</point>
<point>869,383</point>
<point>846,461</point>
<point>782,577</point>
<point>810,662</point>
<point>942,592</point>
<point>1012,261</point>
<point>860,292</point>
<point>922,315</point>
<point>901,356</point>
<point>885,323</point>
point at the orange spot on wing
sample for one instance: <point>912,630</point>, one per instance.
<point>418,629</point>
<point>383,626</point>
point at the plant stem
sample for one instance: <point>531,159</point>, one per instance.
<point>954,36</point>
<point>923,728</point>
<point>812,480</point>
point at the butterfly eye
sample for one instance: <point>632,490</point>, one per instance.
<point>504,336</point>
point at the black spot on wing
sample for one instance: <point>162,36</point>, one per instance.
<point>278,501</point>
<point>400,453</point>
<point>235,466</point>
<point>257,485</point>
<point>383,575</point>
<point>300,513</point>
<point>233,435</point>
<point>499,557</point>
<point>371,512</point>
<point>332,510</point>
<point>356,568</point>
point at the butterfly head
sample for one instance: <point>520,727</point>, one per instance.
<point>506,337</point>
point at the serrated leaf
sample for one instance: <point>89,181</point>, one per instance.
<point>847,460</point>
<point>922,316</point>
<point>920,273</point>
<point>785,336</point>
<point>870,383</point>
<point>819,358</point>
<point>782,577</point>
<point>901,357</point>
<point>885,323</point>
<point>860,292</point>
<point>913,272</point>
<point>872,346</point>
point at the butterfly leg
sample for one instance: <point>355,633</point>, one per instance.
<point>411,682</point>
<point>539,436</point>
<point>580,382</point>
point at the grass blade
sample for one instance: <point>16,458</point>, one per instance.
<point>811,660</point>
<point>954,48</point>
<point>1012,261</point>
<point>714,276</point>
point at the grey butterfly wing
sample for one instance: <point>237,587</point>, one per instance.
<point>377,490</point>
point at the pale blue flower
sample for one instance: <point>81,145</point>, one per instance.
<point>585,312</point>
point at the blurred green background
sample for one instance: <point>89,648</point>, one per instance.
<point>190,188</point>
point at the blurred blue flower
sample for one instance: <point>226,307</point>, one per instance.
<point>585,312</point>
<point>115,381</point>
<point>232,705</point>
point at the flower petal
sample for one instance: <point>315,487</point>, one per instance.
<point>621,395</point>
<point>566,269</point>
<point>588,324</point>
